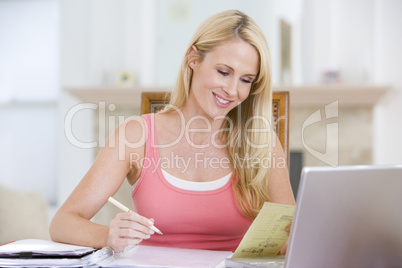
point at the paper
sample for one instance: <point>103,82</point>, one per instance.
<point>266,235</point>
<point>45,262</point>
<point>149,256</point>
<point>42,248</point>
<point>46,253</point>
<point>266,261</point>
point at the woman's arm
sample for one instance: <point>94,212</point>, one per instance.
<point>280,190</point>
<point>72,224</point>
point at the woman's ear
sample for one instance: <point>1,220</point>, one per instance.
<point>192,56</point>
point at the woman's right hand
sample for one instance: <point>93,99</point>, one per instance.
<point>128,228</point>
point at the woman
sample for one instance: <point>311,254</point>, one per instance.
<point>199,167</point>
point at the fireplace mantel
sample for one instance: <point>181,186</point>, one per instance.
<point>307,96</point>
<point>347,95</point>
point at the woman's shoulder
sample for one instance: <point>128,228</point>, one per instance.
<point>134,122</point>
<point>169,126</point>
<point>137,126</point>
<point>132,131</point>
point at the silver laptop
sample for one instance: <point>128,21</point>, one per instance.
<point>347,217</point>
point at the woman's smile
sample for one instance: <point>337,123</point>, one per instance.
<point>224,103</point>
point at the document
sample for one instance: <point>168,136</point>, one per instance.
<point>32,248</point>
<point>150,256</point>
<point>266,235</point>
<point>44,253</point>
<point>274,261</point>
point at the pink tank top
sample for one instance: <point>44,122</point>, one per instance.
<point>188,219</point>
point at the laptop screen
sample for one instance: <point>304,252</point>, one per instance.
<point>347,217</point>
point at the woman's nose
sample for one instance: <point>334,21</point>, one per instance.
<point>231,87</point>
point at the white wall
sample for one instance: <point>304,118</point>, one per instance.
<point>29,87</point>
<point>101,38</point>
<point>290,11</point>
<point>74,70</point>
<point>29,50</point>
<point>178,20</point>
<point>28,147</point>
<point>361,39</point>
<point>338,35</point>
<point>98,39</point>
<point>388,68</point>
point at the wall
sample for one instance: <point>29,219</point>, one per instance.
<point>360,39</point>
<point>351,143</point>
<point>388,59</point>
<point>178,19</point>
<point>29,88</point>
<point>73,162</point>
<point>338,35</point>
<point>28,142</point>
<point>98,39</point>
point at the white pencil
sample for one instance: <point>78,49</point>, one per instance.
<point>126,209</point>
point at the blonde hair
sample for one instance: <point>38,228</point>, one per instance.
<point>246,147</point>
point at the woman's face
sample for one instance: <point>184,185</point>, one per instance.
<point>223,78</point>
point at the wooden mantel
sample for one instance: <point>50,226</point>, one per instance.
<point>315,95</point>
<point>120,96</point>
<point>347,95</point>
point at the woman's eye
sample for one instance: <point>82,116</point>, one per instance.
<point>246,81</point>
<point>223,73</point>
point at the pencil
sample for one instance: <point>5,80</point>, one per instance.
<point>126,209</point>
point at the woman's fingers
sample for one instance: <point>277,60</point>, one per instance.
<point>142,222</point>
<point>287,228</point>
<point>132,225</point>
<point>128,224</point>
<point>118,244</point>
<point>127,229</point>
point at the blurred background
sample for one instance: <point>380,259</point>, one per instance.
<point>57,54</point>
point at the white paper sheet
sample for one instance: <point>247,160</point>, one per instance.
<point>147,256</point>
<point>43,247</point>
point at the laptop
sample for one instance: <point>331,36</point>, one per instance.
<point>347,216</point>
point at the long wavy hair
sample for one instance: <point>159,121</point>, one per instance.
<point>248,128</point>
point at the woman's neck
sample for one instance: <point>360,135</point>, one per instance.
<point>199,127</point>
